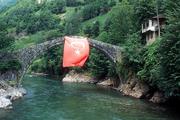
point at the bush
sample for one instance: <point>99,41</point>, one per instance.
<point>151,69</point>
<point>72,3</point>
<point>5,39</point>
<point>162,66</point>
<point>42,21</point>
<point>133,50</point>
<point>57,6</point>
<point>92,31</point>
<point>10,65</point>
<point>122,23</point>
<point>73,24</point>
<point>98,64</point>
<point>50,63</point>
<point>94,9</point>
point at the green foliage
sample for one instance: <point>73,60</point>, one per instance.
<point>144,9</point>
<point>39,37</point>
<point>162,58</point>
<point>57,6</point>
<point>10,65</point>
<point>72,24</point>
<point>132,56</point>
<point>122,23</point>
<point>99,64</point>
<point>95,8</point>
<point>96,61</point>
<point>5,39</point>
<point>170,50</point>
<point>43,20</point>
<point>151,69</point>
<point>72,3</point>
<point>92,31</point>
<point>50,63</point>
<point>30,18</point>
<point>39,66</point>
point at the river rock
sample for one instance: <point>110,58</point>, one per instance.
<point>72,76</point>
<point>107,82</point>
<point>14,93</point>
<point>9,93</point>
<point>3,92</point>
<point>4,102</point>
<point>158,97</point>
<point>134,88</point>
<point>22,90</point>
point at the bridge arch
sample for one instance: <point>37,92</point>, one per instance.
<point>27,55</point>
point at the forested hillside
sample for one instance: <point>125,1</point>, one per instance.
<point>118,22</point>
<point>6,3</point>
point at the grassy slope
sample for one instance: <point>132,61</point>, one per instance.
<point>44,35</point>
<point>39,37</point>
<point>101,19</point>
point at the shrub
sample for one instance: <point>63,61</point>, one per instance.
<point>10,65</point>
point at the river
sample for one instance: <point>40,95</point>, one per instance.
<point>49,99</point>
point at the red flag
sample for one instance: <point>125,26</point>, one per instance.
<point>76,51</point>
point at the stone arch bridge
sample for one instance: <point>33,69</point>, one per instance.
<point>27,55</point>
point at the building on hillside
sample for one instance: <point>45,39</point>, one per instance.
<point>150,29</point>
<point>41,1</point>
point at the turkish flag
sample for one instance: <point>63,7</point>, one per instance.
<point>76,51</point>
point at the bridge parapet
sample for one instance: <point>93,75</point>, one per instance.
<point>113,52</point>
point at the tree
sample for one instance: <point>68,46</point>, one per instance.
<point>161,60</point>
<point>98,64</point>
<point>170,50</point>
<point>42,21</point>
<point>57,6</point>
<point>87,31</point>
<point>73,24</point>
<point>5,39</point>
<point>95,8</point>
<point>122,23</point>
<point>73,3</point>
<point>95,29</point>
<point>144,9</point>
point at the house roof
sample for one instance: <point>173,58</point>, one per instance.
<point>160,16</point>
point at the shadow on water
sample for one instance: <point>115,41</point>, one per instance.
<point>49,99</point>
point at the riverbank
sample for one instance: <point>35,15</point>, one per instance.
<point>8,94</point>
<point>132,87</point>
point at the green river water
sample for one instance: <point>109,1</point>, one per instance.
<point>49,99</point>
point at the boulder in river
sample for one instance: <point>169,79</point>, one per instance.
<point>134,88</point>
<point>15,93</point>
<point>106,82</point>
<point>4,102</point>
<point>8,94</point>
<point>72,76</point>
<point>158,97</point>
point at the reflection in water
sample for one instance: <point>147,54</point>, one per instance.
<point>51,100</point>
